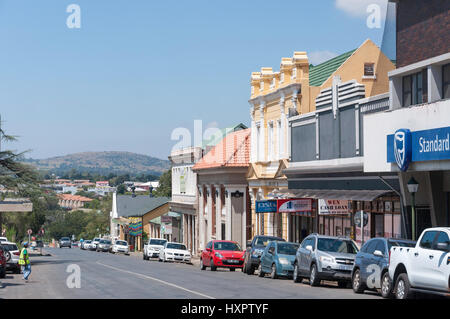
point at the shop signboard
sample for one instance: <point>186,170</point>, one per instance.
<point>294,205</point>
<point>333,207</point>
<point>405,146</point>
<point>266,206</point>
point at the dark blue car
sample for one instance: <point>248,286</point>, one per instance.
<point>370,271</point>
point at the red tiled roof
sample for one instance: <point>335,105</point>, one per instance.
<point>74,198</point>
<point>232,151</point>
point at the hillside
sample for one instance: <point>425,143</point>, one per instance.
<point>102,163</point>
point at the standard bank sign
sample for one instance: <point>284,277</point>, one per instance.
<point>405,146</point>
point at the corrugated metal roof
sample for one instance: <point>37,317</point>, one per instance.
<point>318,74</point>
<point>128,206</point>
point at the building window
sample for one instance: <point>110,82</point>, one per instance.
<point>415,88</point>
<point>258,137</point>
<point>282,77</point>
<point>261,86</point>
<point>280,140</point>
<point>369,69</point>
<point>294,73</point>
<point>446,81</point>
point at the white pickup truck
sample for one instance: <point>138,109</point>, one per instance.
<point>152,248</point>
<point>424,268</point>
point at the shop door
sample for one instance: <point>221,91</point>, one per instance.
<point>377,226</point>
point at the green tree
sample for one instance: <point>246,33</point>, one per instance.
<point>165,185</point>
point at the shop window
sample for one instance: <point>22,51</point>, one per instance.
<point>369,69</point>
<point>338,231</point>
<point>446,81</point>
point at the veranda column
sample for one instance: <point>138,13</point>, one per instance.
<point>218,211</point>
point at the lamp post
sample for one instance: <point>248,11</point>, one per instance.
<point>413,186</point>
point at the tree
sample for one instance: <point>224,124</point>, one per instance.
<point>121,189</point>
<point>165,185</point>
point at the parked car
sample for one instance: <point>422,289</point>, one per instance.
<point>373,259</point>
<point>222,254</point>
<point>2,263</point>
<point>278,259</point>
<point>3,239</point>
<point>94,243</point>
<point>424,268</point>
<point>12,254</point>
<point>120,246</point>
<point>322,257</point>
<point>86,244</point>
<point>104,245</point>
<point>254,250</point>
<point>75,244</point>
<point>65,242</point>
<point>152,248</point>
<point>174,252</point>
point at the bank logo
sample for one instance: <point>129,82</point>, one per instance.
<point>402,148</point>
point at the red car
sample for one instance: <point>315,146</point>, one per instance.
<point>223,254</point>
<point>2,263</point>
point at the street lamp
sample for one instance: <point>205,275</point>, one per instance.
<point>413,186</point>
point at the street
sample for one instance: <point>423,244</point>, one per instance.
<point>106,276</point>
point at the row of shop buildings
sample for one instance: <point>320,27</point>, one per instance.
<point>358,137</point>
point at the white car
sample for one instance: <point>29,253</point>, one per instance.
<point>424,268</point>
<point>152,248</point>
<point>174,252</point>
<point>95,243</point>
<point>86,245</point>
<point>120,246</point>
<point>12,255</point>
<point>3,239</point>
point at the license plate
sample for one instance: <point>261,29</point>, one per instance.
<point>233,261</point>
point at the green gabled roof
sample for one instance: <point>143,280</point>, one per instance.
<point>219,136</point>
<point>318,74</point>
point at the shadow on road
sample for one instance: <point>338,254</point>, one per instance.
<point>8,284</point>
<point>60,261</point>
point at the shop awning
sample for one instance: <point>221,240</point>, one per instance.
<point>361,195</point>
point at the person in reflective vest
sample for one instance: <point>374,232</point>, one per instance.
<point>24,262</point>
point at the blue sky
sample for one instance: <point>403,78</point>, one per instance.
<point>136,70</point>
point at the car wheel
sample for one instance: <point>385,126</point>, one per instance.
<point>250,270</point>
<point>202,267</point>
<point>357,285</point>
<point>260,271</point>
<point>213,268</point>
<point>17,270</point>
<point>386,286</point>
<point>313,280</point>
<point>296,276</point>
<point>144,257</point>
<point>273,274</point>
<point>403,287</point>
<point>232,269</point>
<point>2,272</point>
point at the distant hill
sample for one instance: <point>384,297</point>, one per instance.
<point>102,163</point>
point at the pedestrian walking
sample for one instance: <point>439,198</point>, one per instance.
<point>24,262</point>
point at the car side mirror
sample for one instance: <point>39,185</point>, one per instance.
<point>309,247</point>
<point>442,246</point>
<point>208,249</point>
<point>378,253</point>
<point>249,243</point>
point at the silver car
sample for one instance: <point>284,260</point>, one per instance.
<point>322,257</point>
<point>12,254</point>
<point>104,245</point>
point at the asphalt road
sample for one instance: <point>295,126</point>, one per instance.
<point>104,275</point>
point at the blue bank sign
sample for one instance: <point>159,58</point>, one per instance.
<point>405,146</point>
<point>266,206</point>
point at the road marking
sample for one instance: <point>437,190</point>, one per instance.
<point>157,280</point>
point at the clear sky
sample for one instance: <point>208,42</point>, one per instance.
<point>138,69</point>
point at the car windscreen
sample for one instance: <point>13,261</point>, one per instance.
<point>227,246</point>
<point>9,247</point>
<point>176,246</point>
<point>263,241</point>
<point>96,239</point>
<point>336,245</point>
<point>88,241</point>
<point>159,242</point>
<point>65,238</point>
<point>121,243</point>
<point>401,243</point>
<point>287,249</point>
<point>107,242</point>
